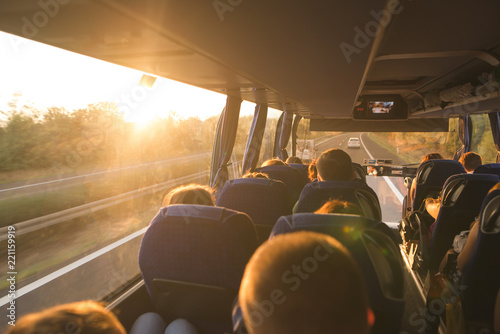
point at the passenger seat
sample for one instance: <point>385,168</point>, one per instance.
<point>431,176</point>
<point>263,200</point>
<point>462,197</point>
<point>481,276</point>
<point>488,169</point>
<point>192,259</point>
<point>293,179</point>
<point>315,194</point>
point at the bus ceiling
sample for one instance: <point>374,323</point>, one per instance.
<point>313,59</point>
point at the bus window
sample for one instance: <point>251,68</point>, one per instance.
<point>87,154</point>
<point>482,139</point>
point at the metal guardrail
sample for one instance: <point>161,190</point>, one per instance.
<point>38,223</point>
<point>93,176</point>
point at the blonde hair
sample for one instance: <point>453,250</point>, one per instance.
<point>190,194</point>
<point>85,317</point>
<point>336,206</point>
<point>274,162</point>
<point>255,175</point>
<point>312,171</point>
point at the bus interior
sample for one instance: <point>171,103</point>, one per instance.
<point>413,68</point>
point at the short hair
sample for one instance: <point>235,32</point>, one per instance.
<point>274,162</point>
<point>471,161</point>
<point>432,156</point>
<point>337,206</point>
<point>334,165</point>
<point>293,160</point>
<point>303,282</point>
<point>190,194</point>
<point>255,175</point>
<point>312,171</point>
<point>86,317</point>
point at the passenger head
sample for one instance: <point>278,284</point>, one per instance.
<point>336,206</point>
<point>255,175</point>
<point>293,160</point>
<point>303,282</point>
<point>432,156</point>
<point>334,165</point>
<point>274,162</point>
<point>312,170</point>
<point>190,194</point>
<point>85,317</point>
<point>471,161</point>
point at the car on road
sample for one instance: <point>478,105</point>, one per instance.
<point>353,143</point>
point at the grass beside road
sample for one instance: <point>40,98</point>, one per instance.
<point>407,158</point>
<point>20,208</point>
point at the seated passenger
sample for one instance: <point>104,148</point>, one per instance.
<point>456,258</point>
<point>471,161</point>
<point>430,156</point>
<point>311,285</point>
<point>274,162</point>
<point>334,165</point>
<point>255,175</point>
<point>86,317</point>
<point>336,206</point>
<point>190,194</point>
<point>313,171</point>
<point>294,160</point>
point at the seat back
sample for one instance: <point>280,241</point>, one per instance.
<point>315,194</point>
<point>481,275</point>
<point>488,169</point>
<point>461,201</point>
<point>359,171</point>
<point>379,260</point>
<point>293,179</point>
<point>263,200</point>
<point>431,176</point>
<point>188,249</point>
<point>304,169</point>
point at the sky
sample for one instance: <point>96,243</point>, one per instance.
<point>47,76</point>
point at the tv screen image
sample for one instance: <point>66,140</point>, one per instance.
<point>380,107</point>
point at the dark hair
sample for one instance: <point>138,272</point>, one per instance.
<point>337,206</point>
<point>293,160</point>
<point>334,165</point>
<point>274,162</point>
<point>190,194</point>
<point>471,161</point>
<point>86,317</point>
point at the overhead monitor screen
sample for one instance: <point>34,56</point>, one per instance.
<point>380,107</point>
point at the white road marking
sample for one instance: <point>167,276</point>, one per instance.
<point>50,277</point>
<point>391,185</point>
<point>324,141</point>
